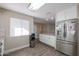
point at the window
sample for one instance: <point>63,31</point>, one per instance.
<point>35,6</point>
<point>19,27</point>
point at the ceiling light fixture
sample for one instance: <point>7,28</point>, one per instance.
<point>35,6</point>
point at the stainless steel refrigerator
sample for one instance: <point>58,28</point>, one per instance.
<point>78,41</point>
<point>78,48</point>
<point>66,33</point>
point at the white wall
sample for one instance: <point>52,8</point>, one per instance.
<point>13,42</point>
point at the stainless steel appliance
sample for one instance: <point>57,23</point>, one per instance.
<point>66,32</point>
<point>78,41</point>
<point>78,48</point>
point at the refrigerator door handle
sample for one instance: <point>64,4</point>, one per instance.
<point>64,31</point>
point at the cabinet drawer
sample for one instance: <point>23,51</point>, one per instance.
<point>69,49</point>
<point>66,47</point>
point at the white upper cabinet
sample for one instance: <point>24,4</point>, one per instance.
<point>67,14</point>
<point>60,16</point>
<point>71,13</point>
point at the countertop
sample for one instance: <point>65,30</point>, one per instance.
<point>48,34</point>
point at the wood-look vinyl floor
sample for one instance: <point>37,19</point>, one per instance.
<point>39,50</point>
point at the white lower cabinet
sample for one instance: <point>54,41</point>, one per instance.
<point>52,41</point>
<point>47,39</point>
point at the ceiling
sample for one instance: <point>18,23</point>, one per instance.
<point>45,12</point>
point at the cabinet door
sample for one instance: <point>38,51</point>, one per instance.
<point>60,16</point>
<point>52,41</point>
<point>66,14</point>
<point>41,38</point>
<point>44,39</point>
<point>71,13</point>
<point>47,39</point>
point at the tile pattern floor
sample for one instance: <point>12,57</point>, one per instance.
<point>39,50</point>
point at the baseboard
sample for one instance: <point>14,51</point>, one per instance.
<point>14,49</point>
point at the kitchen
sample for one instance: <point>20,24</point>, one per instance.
<point>45,31</point>
<point>55,25</point>
<point>65,36</point>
